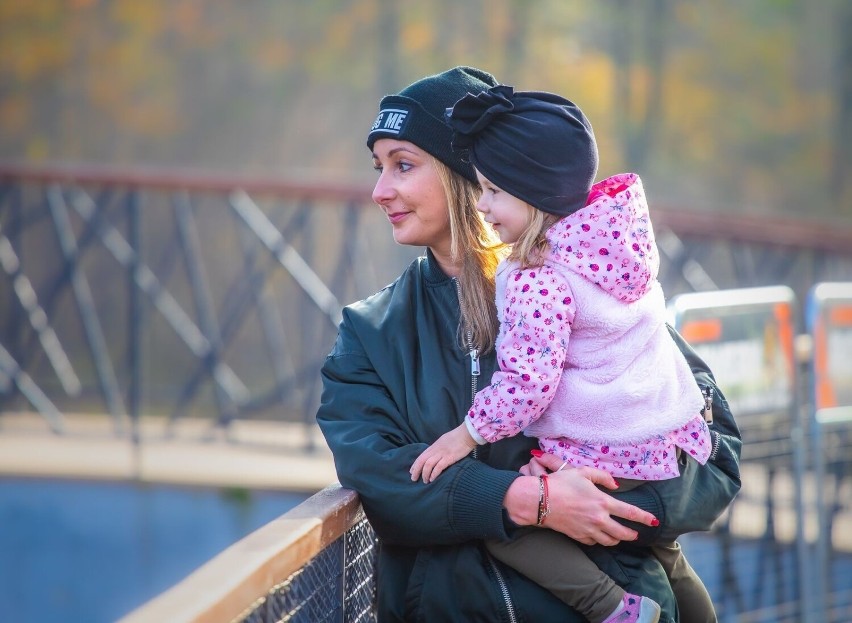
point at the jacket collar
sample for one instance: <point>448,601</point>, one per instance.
<point>432,270</point>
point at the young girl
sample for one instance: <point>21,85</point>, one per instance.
<point>586,362</point>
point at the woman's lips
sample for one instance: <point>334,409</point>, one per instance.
<point>396,217</point>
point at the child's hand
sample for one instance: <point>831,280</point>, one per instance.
<point>449,448</point>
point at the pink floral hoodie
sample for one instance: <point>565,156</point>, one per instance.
<point>586,362</point>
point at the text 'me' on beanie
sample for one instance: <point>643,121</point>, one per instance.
<point>534,145</point>
<point>418,114</point>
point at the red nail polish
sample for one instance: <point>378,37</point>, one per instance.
<point>616,484</point>
<point>536,453</point>
<point>655,522</point>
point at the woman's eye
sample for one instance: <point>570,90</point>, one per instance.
<point>404,166</point>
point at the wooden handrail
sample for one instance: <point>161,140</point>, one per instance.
<point>185,179</point>
<point>226,586</point>
<point>769,230</point>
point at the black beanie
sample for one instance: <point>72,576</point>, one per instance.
<point>418,114</point>
<point>536,146</point>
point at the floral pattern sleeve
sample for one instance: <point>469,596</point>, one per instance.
<point>537,312</point>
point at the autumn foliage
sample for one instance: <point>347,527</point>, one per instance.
<point>734,105</point>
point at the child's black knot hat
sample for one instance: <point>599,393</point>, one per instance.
<point>535,145</point>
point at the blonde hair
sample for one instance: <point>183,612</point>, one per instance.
<point>479,249</point>
<point>531,247</point>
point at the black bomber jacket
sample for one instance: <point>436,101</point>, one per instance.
<point>396,379</point>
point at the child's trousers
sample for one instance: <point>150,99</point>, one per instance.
<point>559,564</point>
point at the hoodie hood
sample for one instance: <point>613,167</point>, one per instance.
<point>610,242</point>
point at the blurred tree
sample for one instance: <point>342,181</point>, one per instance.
<point>639,39</point>
<point>387,50</point>
<point>728,103</point>
<point>841,171</point>
<point>640,34</point>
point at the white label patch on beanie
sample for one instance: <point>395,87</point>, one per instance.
<point>390,121</point>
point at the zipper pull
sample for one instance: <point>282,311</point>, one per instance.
<point>474,362</point>
<point>707,411</point>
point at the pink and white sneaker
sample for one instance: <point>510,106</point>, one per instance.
<point>635,609</point>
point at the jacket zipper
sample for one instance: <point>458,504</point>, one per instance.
<point>474,357</point>
<point>707,412</point>
<point>717,441</point>
<point>473,353</point>
<point>504,589</point>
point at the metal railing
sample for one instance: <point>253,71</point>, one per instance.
<point>194,293</point>
<point>175,292</point>
<point>775,555</point>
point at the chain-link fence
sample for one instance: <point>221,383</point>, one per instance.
<point>338,584</point>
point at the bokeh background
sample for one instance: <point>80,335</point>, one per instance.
<point>724,105</point>
<point>730,108</point>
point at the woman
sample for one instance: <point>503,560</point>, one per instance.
<point>404,370</point>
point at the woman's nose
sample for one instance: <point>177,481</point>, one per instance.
<point>383,191</point>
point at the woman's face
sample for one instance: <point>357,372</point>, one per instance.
<point>412,196</point>
<point>508,215</point>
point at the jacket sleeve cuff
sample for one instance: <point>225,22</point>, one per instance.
<point>476,506</point>
<point>479,439</point>
<point>647,499</point>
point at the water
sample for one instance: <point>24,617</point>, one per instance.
<point>82,552</point>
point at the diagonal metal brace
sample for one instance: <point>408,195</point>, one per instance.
<point>32,392</point>
<point>86,305</point>
<point>163,301</point>
<point>287,256</point>
<point>38,318</point>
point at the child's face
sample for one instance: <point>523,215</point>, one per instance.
<point>508,215</point>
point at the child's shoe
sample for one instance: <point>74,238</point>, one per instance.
<point>635,609</point>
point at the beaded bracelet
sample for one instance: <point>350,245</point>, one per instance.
<point>543,500</point>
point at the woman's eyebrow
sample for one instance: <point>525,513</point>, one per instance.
<point>396,150</point>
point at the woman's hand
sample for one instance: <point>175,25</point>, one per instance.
<point>577,507</point>
<point>450,447</point>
